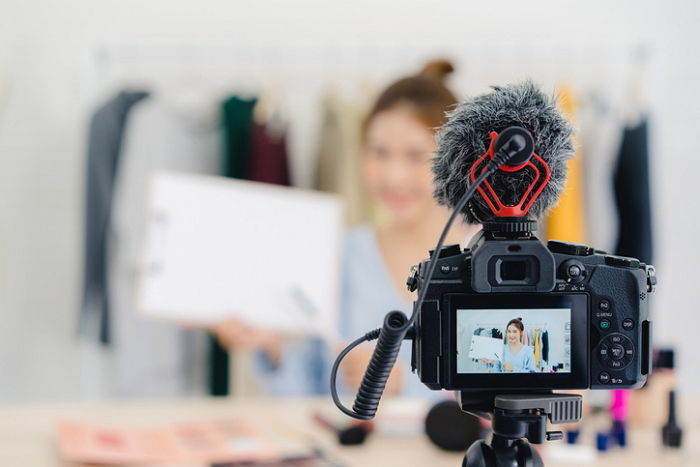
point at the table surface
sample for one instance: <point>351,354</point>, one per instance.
<point>28,436</point>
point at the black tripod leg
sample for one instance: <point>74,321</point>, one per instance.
<point>527,455</point>
<point>520,453</point>
<point>479,454</point>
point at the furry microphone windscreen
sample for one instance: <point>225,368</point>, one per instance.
<point>465,138</point>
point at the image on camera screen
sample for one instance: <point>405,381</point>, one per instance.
<point>534,340</point>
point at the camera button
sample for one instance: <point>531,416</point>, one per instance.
<point>604,377</point>
<point>615,339</point>
<point>627,324</point>
<point>616,364</point>
<point>617,352</point>
<point>604,324</point>
<point>574,270</point>
<point>603,352</point>
<point>604,305</point>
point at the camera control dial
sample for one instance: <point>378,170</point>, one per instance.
<point>616,351</point>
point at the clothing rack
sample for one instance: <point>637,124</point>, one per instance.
<point>301,61</point>
<point>485,325</point>
<point>358,53</point>
<point>304,72</point>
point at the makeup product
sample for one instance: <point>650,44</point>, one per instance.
<point>348,436</point>
<point>619,409</point>
<point>648,404</point>
<point>671,433</point>
<point>602,441</point>
<point>618,434</point>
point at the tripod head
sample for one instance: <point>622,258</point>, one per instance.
<point>517,419</point>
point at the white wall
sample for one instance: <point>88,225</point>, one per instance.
<point>48,82</point>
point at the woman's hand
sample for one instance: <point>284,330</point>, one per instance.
<point>235,335</point>
<point>507,367</point>
<point>354,366</point>
<point>486,360</point>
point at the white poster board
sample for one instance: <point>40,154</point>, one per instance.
<point>489,348</point>
<point>217,248</point>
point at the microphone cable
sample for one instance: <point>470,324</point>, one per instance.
<point>396,325</point>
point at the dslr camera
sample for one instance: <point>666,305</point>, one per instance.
<point>508,320</point>
<point>579,315</point>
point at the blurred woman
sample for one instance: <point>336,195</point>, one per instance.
<point>398,147</point>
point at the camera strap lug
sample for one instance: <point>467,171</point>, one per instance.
<point>412,281</point>
<point>651,278</point>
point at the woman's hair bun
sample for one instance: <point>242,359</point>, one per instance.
<point>437,69</point>
<point>519,318</point>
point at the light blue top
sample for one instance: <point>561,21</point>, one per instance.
<point>523,361</point>
<point>367,291</point>
<point>367,295</point>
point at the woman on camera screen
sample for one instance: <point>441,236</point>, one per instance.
<point>516,357</point>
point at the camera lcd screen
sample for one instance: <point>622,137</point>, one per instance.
<point>505,340</point>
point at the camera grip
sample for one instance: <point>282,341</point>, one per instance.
<point>380,366</point>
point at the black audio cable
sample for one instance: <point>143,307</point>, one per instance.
<point>396,325</point>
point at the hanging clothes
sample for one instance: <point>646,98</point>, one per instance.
<point>268,156</point>
<point>338,160</point>
<point>601,123</point>
<point>155,359</point>
<point>537,348</point>
<point>237,120</point>
<point>632,194</point>
<point>103,151</point>
<point>566,221</point>
<point>545,346</point>
<point>614,133</point>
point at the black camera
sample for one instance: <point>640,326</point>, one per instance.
<point>507,320</point>
<point>509,313</point>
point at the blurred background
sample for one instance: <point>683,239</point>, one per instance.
<point>621,64</point>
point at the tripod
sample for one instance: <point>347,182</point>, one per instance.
<point>517,421</point>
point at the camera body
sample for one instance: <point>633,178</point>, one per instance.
<point>583,316</point>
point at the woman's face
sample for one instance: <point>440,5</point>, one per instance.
<point>513,334</point>
<point>396,163</point>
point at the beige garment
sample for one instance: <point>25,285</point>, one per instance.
<point>338,163</point>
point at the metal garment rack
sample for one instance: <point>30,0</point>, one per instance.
<point>484,325</point>
<point>386,62</point>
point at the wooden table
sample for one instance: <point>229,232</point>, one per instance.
<point>27,432</point>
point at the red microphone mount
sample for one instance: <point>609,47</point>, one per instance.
<point>534,163</point>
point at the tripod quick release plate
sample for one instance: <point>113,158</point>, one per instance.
<point>560,408</point>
